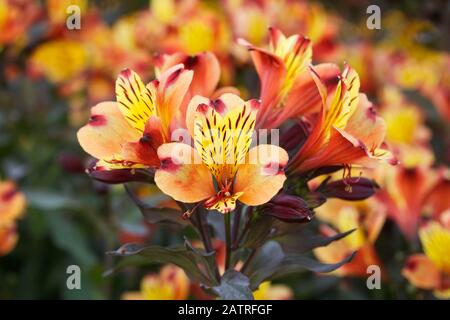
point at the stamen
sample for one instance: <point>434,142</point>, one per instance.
<point>347,178</point>
<point>187,214</point>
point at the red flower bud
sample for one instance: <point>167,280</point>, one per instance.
<point>120,175</point>
<point>360,189</point>
<point>288,208</point>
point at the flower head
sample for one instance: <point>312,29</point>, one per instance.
<point>127,133</point>
<point>287,89</point>
<point>222,167</point>
<point>347,130</point>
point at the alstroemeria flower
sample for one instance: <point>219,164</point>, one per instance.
<point>287,89</point>
<point>431,271</point>
<point>407,192</point>
<point>221,168</point>
<point>367,219</point>
<point>347,131</point>
<point>127,133</point>
<point>206,70</point>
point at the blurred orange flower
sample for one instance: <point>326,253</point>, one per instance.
<point>12,206</point>
<point>170,284</point>
<point>431,271</point>
<point>368,220</point>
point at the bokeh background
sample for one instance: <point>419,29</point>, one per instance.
<point>53,215</point>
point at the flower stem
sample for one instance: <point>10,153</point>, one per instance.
<point>248,261</point>
<point>236,224</point>
<point>227,221</point>
<point>203,228</point>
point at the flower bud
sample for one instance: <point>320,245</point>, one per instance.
<point>288,208</point>
<point>120,175</point>
<point>360,189</point>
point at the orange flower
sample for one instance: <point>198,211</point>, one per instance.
<point>287,89</point>
<point>368,221</point>
<point>15,17</point>
<point>170,284</point>
<point>431,271</point>
<point>408,192</point>
<point>221,168</point>
<point>206,77</point>
<point>127,133</point>
<point>347,130</point>
<point>12,206</point>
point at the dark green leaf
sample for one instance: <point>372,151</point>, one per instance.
<point>266,260</point>
<point>234,286</point>
<point>295,263</point>
<point>187,259</point>
<point>154,214</point>
<point>259,231</point>
<point>305,241</point>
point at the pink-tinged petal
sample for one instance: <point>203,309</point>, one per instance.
<point>144,151</point>
<point>272,73</point>
<point>205,66</point>
<point>341,149</point>
<point>439,197</point>
<point>262,175</point>
<point>106,131</point>
<point>216,94</point>
<point>421,272</point>
<point>172,87</point>
<point>191,111</point>
<point>305,98</point>
<point>182,174</point>
<point>366,124</point>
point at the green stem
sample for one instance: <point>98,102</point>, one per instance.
<point>227,221</point>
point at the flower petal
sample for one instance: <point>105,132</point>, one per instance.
<point>105,133</point>
<point>205,66</point>
<point>172,86</point>
<point>262,175</point>
<point>135,100</point>
<point>182,174</point>
<point>436,244</point>
<point>421,272</point>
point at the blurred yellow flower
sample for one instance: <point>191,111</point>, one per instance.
<point>364,216</point>
<point>269,291</point>
<point>170,284</point>
<point>431,271</point>
<point>60,60</point>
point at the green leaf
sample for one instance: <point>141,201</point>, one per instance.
<point>69,237</point>
<point>259,231</point>
<point>154,214</point>
<point>267,259</point>
<point>304,241</point>
<point>190,261</point>
<point>234,286</point>
<point>48,200</point>
<point>296,263</point>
